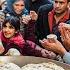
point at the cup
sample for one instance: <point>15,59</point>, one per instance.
<point>51,37</point>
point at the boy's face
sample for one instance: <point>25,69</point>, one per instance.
<point>8,30</point>
<point>18,6</point>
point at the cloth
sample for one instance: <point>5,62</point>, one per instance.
<point>66,57</point>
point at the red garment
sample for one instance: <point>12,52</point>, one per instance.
<point>51,18</point>
<point>24,47</point>
<point>17,39</point>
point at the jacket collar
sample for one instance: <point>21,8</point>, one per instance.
<point>51,18</point>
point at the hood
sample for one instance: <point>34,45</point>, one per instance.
<point>9,7</point>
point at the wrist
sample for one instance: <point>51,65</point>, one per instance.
<point>38,48</point>
<point>62,51</point>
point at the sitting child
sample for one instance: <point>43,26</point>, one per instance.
<point>11,38</point>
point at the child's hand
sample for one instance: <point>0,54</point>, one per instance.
<point>48,54</point>
<point>1,49</point>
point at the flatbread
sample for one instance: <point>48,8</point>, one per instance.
<point>42,66</point>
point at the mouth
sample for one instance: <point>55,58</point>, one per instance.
<point>57,9</point>
<point>18,11</point>
<point>7,33</point>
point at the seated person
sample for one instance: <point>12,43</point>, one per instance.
<point>11,38</point>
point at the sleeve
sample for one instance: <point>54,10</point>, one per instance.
<point>66,57</point>
<point>30,31</point>
<point>29,49</point>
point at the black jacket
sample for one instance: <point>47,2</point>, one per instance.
<point>42,27</point>
<point>35,5</point>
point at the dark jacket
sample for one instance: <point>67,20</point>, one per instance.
<point>42,27</point>
<point>35,5</point>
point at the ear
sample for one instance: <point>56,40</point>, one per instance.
<point>16,32</point>
<point>68,4</point>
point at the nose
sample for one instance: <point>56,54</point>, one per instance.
<point>19,8</point>
<point>58,5</point>
<point>6,29</point>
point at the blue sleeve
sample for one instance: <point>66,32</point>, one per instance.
<point>66,57</point>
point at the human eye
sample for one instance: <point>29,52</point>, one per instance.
<point>4,26</point>
<point>56,1</point>
<point>61,2</point>
<point>11,27</point>
<point>16,5</point>
<point>22,5</point>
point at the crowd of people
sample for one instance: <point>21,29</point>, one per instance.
<point>25,24</point>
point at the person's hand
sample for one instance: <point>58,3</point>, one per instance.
<point>1,49</point>
<point>65,35</point>
<point>33,15</point>
<point>48,54</point>
<point>26,19</point>
<point>54,46</point>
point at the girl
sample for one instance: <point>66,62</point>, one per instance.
<point>11,38</point>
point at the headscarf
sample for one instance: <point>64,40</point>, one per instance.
<point>9,8</point>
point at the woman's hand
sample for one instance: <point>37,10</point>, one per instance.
<point>33,15</point>
<point>26,19</point>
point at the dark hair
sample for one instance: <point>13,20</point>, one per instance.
<point>15,22</point>
<point>68,0</point>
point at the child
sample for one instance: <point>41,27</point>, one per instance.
<point>11,38</point>
<point>10,35</point>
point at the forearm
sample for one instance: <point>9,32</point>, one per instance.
<point>38,48</point>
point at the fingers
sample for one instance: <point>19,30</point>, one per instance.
<point>1,49</point>
<point>65,31</point>
<point>45,53</point>
<point>26,19</point>
<point>33,15</point>
<point>68,32</point>
<point>44,42</point>
<point>48,54</point>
